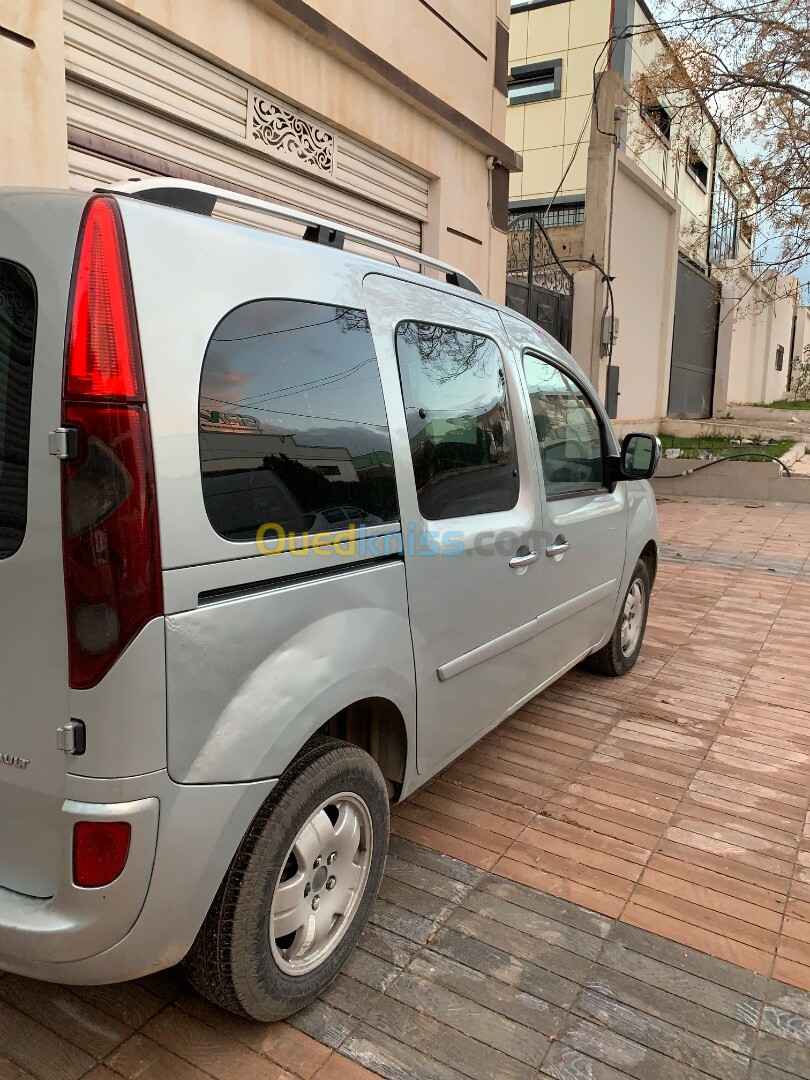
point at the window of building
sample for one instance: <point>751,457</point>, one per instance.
<point>697,168</point>
<point>725,223</point>
<point>287,385</point>
<point>566,211</point>
<point>747,230</point>
<point>656,114</point>
<point>568,431</point>
<point>535,82</point>
<point>459,425</point>
<point>780,357</point>
<point>18,317</point>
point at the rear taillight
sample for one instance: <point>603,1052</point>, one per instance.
<point>110,537</point>
<point>100,851</point>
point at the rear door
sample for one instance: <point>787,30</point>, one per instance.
<point>37,242</point>
<point>469,497</point>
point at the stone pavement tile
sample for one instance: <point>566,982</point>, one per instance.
<point>585,890</point>
<point>761,1071</point>
<point>565,1063</point>
<point>706,940</point>
<point>791,965</point>
<point>670,1038</point>
<point>9,1071</point>
<point>442,841</point>
<point>28,1045</point>
<point>209,1049</point>
<point>337,1067</point>
<point>141,1059</point>
<point>130,1003</point>
<point>557,990</point>
<point>65,1014</point>
<point>784,1053</point>
<point>426,1037</point>
<point>628,971</point>
<point>388,1057</point>
<point>692,961</point>
<point>628,1057</point>
<point>282,1044</point>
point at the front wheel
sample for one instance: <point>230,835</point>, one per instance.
<point>620,653</point>
<point>299,889</point>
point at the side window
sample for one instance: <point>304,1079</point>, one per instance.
<point>292,421</point>
<point>459,428</point>
<point>568,430</point>
<point>18,315</point>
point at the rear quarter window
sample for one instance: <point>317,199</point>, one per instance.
<point>18,317</point>
<point>292,424</point>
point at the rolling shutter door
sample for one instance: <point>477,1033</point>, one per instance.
<point>140,105</point>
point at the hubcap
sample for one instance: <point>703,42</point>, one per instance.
<point>632,618</point>
<point>312,906</point>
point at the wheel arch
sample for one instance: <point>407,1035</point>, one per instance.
<point>649,556</point>
<point>376,725</point>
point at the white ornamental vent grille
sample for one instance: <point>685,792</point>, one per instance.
<point>287,135</point>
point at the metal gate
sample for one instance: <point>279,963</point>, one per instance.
<point>694,344</point>
<point>537,284</point>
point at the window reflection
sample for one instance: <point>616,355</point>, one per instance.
<point>17,328</point>
<point>458,421</point>
<point>292,423</point>
<point>567,430</point>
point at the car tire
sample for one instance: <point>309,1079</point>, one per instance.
<point>275,937</point>
<point>619,655</point>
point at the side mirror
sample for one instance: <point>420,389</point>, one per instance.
<point>640,457</point>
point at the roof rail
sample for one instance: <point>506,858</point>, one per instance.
<point>202,198</point>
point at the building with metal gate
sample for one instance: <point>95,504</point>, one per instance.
<point>537,283</point>
<point>650,191</point>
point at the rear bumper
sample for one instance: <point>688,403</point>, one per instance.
<point>183,839</point>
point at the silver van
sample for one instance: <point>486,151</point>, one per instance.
<point>284,529</point>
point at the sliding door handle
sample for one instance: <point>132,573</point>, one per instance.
<point>559,547</point>
<point>520,562</point>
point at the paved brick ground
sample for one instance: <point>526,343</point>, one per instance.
<point>676,798</point>
<point>630,889</point>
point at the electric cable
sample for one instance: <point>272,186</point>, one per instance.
<point>728,457</point>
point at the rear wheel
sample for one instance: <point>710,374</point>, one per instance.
<point>620,653</point>
<point>300,887</point>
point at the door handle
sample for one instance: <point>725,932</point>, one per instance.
<point>559,547</point>
<point>520,562</point>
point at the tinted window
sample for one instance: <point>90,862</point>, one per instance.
<point>292,421</point>
<point>458,421</point>
<point>567,429</point>
<point>18,311</point>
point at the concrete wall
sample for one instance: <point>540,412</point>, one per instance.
<point>452,57</point>
<point>801,347</point>
<point>546,132</point>
<point>644,264</point>
<point>33,145</point>
<point>762,317</point>
<point>455,62</point>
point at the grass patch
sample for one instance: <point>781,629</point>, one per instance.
<point>722,446</point>
<point>789,406</point>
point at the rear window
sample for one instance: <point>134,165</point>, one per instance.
<point>293,429</point>
<point>18,317</point>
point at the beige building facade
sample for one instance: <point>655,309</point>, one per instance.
<point>648,188</point>
<point>392,125</point>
